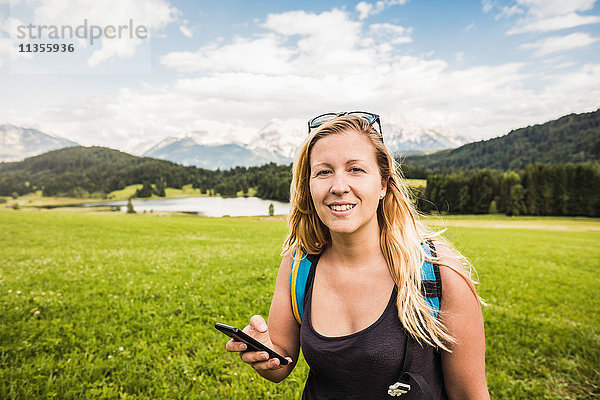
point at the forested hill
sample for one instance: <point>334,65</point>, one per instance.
<point>97,171</point>
<point>93,169</point>
<point>574,138</point>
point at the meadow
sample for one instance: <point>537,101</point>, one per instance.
<point>108,305</point>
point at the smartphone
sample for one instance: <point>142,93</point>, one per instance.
<point>253,344</point>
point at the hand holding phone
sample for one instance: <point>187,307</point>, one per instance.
<point>252,344</point>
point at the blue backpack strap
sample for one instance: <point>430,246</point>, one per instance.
<point>301,266</point>
<point>431,282</point>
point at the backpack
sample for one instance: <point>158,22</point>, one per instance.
<point>431,285</point>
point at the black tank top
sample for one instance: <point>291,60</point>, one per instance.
<point>364,364</point>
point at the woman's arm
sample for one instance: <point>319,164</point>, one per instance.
<point>464,368</point>
<point>282,333</point>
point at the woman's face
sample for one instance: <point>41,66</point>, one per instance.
<point>345,183</point>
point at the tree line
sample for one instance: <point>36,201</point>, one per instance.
<point>538,189</point>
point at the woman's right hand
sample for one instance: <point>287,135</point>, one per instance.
<point>259,360</point>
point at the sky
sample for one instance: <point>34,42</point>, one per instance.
<point>229,68</point>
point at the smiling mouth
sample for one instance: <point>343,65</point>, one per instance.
<point>342,207</point>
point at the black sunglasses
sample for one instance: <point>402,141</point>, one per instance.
<point>367,116</point>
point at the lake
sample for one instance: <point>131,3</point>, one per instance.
<point>205,206</point>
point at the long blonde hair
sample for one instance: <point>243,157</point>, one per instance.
<point>401,232</point>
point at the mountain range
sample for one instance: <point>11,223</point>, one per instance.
<point>276,142</point>
<point>572,140</point>
<point>18,143</point>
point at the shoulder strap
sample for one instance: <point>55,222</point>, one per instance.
<point>431,282</point>
<point>402,385</point>
<point>301,266</point>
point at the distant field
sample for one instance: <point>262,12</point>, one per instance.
<point>499,221</point>
<point>37,200</point>
<point>122,306</point>
<point>416,182</point>
<point>185,191</point>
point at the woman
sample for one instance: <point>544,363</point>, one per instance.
<point>364,305</point>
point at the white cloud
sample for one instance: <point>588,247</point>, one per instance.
<point>365,9</point>
<point>8,47</point>
<point>263,55</point>
<point>469,27</point>
<point>153,14</point>
<point>557,44</point>
<point>487,5</point>
<point>508,12</point>
<point>551,15</point>
<point>305,64</point>
<point>187,32</point>
<point>304,23</point>
<point>390,33</point>
<point>566,21</point>
<point>550,8</point>
<point>329,43</point>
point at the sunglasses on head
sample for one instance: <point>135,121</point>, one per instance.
<point>367,116</point>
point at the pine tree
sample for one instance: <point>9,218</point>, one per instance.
<point>517,206</point>
<point>493,209</point>
<point>160,188</point>
<point>130,209</point>
<point>271,209</point>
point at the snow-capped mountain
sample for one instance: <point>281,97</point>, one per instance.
<point>160,145</point>
<point>276,142</point>
<point>18,143</point>
<point>280,137</point>
<point>187,151</point>
<point>403,136</point>
<point>226,145</point>
<point>279,140</point>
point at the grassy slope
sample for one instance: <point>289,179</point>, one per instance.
<point>123,305</point>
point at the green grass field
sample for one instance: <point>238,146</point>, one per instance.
<point>122,306</point>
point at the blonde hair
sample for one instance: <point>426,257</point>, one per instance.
<point>401,232</point>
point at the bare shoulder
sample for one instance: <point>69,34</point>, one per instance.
<point>286,263</point>
<point>285,268</point>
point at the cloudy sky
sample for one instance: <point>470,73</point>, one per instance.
<point>231,67</point>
